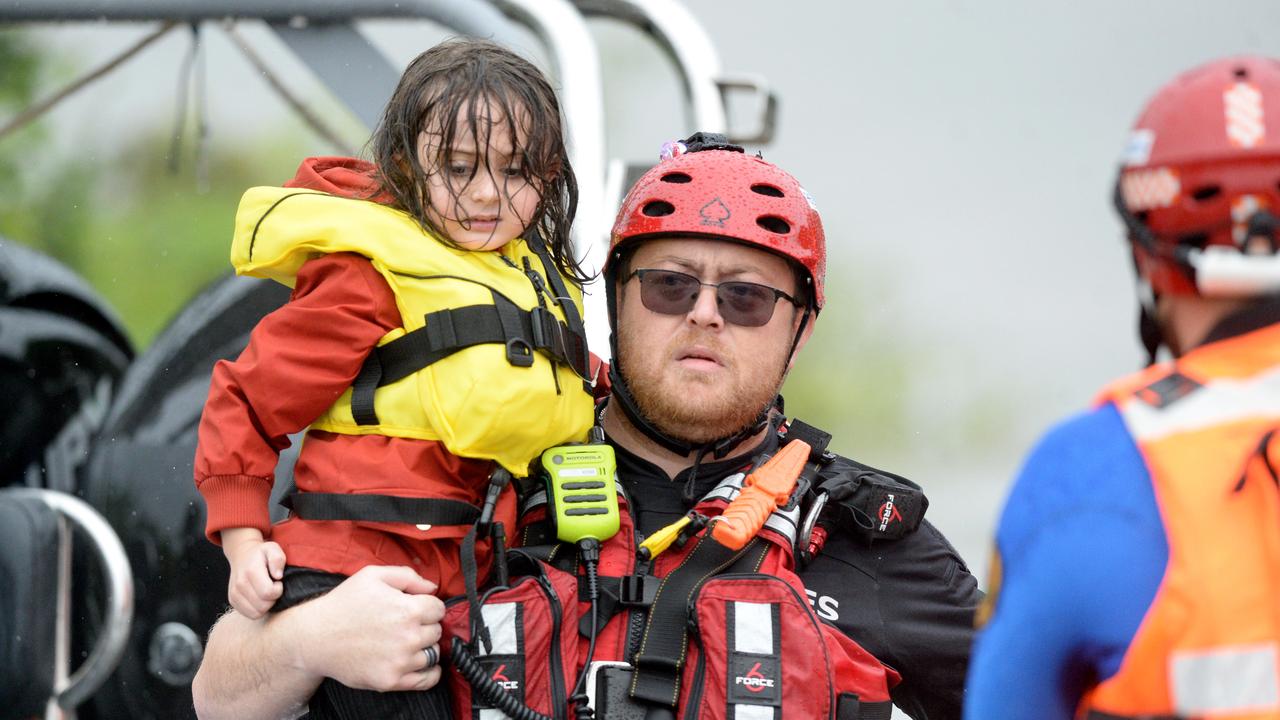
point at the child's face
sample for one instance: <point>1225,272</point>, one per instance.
<point>475,192</point>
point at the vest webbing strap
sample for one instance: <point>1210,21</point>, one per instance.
<point>448,331</point>
<point>848,707</point>
<point>665,642</point>
<point>564,300</point>
<point>381,508</point>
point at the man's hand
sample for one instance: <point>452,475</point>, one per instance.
<point>370,631</point>
<point>256,570</point>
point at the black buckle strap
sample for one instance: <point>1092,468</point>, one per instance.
<point>448,331</point>
<point>380,508</point>
<point>662,649</point>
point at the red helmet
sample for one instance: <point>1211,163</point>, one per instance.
<point>1200,180</point>
<point>706,187</point>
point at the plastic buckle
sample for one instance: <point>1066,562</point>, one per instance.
<point>538,328</point>
<point>519,353</point>
<point>638,590</point>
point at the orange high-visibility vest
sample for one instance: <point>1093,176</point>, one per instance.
<point>1209,645</point>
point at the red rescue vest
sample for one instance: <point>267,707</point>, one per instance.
<point>753,648</point>
<point>1209,645</point>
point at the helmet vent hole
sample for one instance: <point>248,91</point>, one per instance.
<point>1241,72</point>
<point>658,208</point>
<point>774,224</point>
<point>676,177</point>
<point>1207,192</point>
<point>769,190</point>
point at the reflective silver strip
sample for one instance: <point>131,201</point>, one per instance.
<point>1232,679</point>
<point>753,628</point>
<point>500,618</point>
<point>752,712</point>
<point>492,714</point>
<point>1221,401</point>
<point>784,522</point>
<point>727,489</point>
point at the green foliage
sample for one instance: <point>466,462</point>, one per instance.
<point>20,67</point>
<point>155,239</point>
<point>852,378</point>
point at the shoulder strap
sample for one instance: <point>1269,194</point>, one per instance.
<point>666,635</point>
<point>579,355</point>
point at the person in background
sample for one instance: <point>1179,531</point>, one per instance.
<point>1137,561</point>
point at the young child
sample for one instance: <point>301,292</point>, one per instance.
<point>434,334</point>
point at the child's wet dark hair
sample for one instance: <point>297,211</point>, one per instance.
<point>494,85</point>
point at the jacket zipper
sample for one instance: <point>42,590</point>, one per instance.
<point>693,702</point>
<point>636,617</point>
<point>559,698</point>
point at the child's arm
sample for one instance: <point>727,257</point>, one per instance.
<point>300,358</point>
<point>256,569</point>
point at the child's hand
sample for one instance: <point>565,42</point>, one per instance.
<point>256,569</point>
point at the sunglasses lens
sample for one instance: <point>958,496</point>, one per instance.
<point>746,304</point>
<point>669,293</point>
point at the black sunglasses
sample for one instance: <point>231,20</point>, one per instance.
<point>741,303</point>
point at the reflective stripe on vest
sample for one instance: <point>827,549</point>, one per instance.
<point>474,401</point>
<point>1209,644</point>
<point>755,660</point>
<point>504,623</point>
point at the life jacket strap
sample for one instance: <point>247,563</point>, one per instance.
<point>380,508</point>
<point>849,707</point>
<point>658,664</point>
<point>447,331</point>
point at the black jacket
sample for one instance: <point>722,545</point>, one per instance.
<point>909,601</point>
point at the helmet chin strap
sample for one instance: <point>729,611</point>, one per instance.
<point>1149,332</point>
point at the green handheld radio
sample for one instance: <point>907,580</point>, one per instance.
<point>583,489</point>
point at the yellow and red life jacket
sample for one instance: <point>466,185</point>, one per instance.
<point>503,393</point>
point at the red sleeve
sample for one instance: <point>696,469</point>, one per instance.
<point>300,358</point>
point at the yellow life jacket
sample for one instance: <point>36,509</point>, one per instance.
<point>491,356</point>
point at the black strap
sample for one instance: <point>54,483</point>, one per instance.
<point>579,353</point>
<point>447,331</point>
<point>380,508</point>
<point>666,636</point>
<point>816,438</point>
<point>470,574</point>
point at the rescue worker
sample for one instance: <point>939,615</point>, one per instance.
<point>1136,568</point>
<point>716,279</point>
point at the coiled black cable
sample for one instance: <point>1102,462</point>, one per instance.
<point>490,691</point>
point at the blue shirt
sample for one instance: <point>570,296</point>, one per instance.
<point>1083,552</point>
